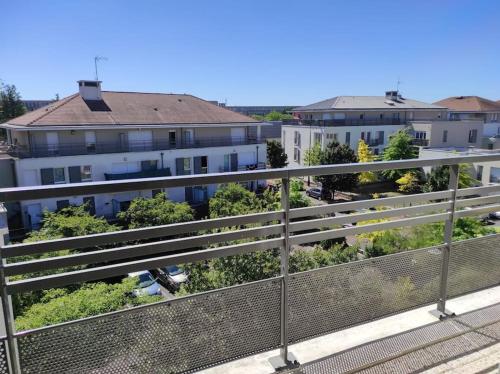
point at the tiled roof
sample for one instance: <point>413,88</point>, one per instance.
<point>130,108</point>
<point>366,102</point>
<point>469,104</point>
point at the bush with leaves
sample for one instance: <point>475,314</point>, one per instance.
<point>409,183</point>
<point>276,156</point>
<point>400,147</point>
<point>366,155</point>
<point>336,153</point>
<point>62,305</point>
<point>156,211</point>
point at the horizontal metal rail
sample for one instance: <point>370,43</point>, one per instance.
<point>103,272</point>
<point>86,241</point>
<point>139,250</point>
<point>41,192</point>
<point>353,218</point>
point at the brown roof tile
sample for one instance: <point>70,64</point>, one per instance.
<point>469,104</point>
<point>130,108</point>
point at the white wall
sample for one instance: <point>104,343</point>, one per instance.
<point>28,171</point>
<point>307,137</point>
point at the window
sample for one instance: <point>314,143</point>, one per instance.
<point>420,135</point>
<point>296,155</point>
<point>445,136</point>
<point>494,117</point>
<point>361,116</point>
<point>187,165</point>
<point>329,136</point>
<point>297,138</point>
<point>227,162</point>
<point>53,176</point>
<point>348,138</point>
<point>362,135</point>
<point>79,174</point>
<point>380,137</point>
<point>200,194</point>
<point>171,138</point>
<point>335,136</point>
<point>381,116</point>
<point>89,203</point>
<point>472,136</point>
<point>318,138</point>
<point>61,204</point>
<point>494,175</point>
<point>375,151</point>
<point>149,165</point>
<point>188,136</point>
<point>479,175</point>
<point>90,142</point>
<point>201,165</point>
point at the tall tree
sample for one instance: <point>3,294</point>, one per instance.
<point>365,155</point>
<point>276,156</point>
<point>156,211</point>
<point>336,153</point>
<point>232,200</point>
<point>11,105</point>
<point>399,148</point>
<point>312,156</point>
<point>438,178</point>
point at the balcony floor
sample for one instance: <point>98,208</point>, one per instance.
<point>408,342</point>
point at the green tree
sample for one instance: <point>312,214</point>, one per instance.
<point>312,156</point>
<point>155,211</point>
<point>62,305</point>
<point>338,154</point>
<point>11,105</point>
<point>276,156</point>
<point>408,183</point>
<point>399,148</point>
<point>277,116</point>
<point>68,222</point>
<point>438,178</point>
<point>365,155</point>
<point>233,199</point>
<point>298,200</point>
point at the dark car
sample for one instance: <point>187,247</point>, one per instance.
<point>316,192</point>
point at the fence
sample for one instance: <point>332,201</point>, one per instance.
<point>200,330</point>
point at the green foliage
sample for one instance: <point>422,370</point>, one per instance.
<point>409,182</point>
<point>155,211</point>
<point>296,185</point>
<point>312,156</point>
<point>232,200</point>
<point>366,155</point>
<point>338,154</point>
<point>438,178</point>
<point>273,116</point>
<point>422,236</point>
<point>11,105</point>
<point>298,200</point>
<point>61,305</point>
<point>276,156</point>
<point>399,148</point>
<point>68,222</point>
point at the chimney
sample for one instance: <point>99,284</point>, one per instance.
<point>392,95</point>
<point>90,90</point>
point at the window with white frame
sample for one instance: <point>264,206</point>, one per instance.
<point>86,173</point>
<point>296,138</point>
<point>296,155</point>
<point>318,137</point>
<point>420,135</point>
<point>473,136</point>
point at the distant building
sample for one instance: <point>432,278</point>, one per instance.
<point>259,110</point>
<point>32,105</point>
<point>96,135</point>
<point>347,119</point>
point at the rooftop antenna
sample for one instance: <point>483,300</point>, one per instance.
<point>398,84</point>
<point>98,58</point>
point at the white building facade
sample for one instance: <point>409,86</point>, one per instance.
<point>98,136</point>
<point>347,119</point>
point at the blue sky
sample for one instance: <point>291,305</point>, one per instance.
<point>255,52</point>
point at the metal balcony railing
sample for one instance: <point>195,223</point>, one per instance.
<point>343,122</point>
<point>73,149</point>
<point>209,328</point>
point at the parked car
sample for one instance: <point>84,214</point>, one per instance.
<point>172,277</point>
<point>146,284</point>
<point>316,192</point>
<point>495,215</point>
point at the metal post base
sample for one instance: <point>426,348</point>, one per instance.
<point>442,315</point>
<point>279,364</point>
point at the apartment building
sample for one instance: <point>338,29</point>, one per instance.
<point>97,135</point>
<point>446,134</point>
<point>347,119</point>
<point>476,108</point>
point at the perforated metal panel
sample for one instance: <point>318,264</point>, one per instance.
<point>332,298</point>
<point>4,366</point>
<point>474,264</point>
<point>169,337</point>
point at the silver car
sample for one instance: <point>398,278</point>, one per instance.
<point>172,277</point>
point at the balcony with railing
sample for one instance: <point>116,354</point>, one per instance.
<point>281,313</point>
<point>73,149</point>
<point>420,142</point>
<point>343,122</point>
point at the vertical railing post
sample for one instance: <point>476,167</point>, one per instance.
<point>8,317</point>
<point>285,358</point>
<point>448,238</point>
